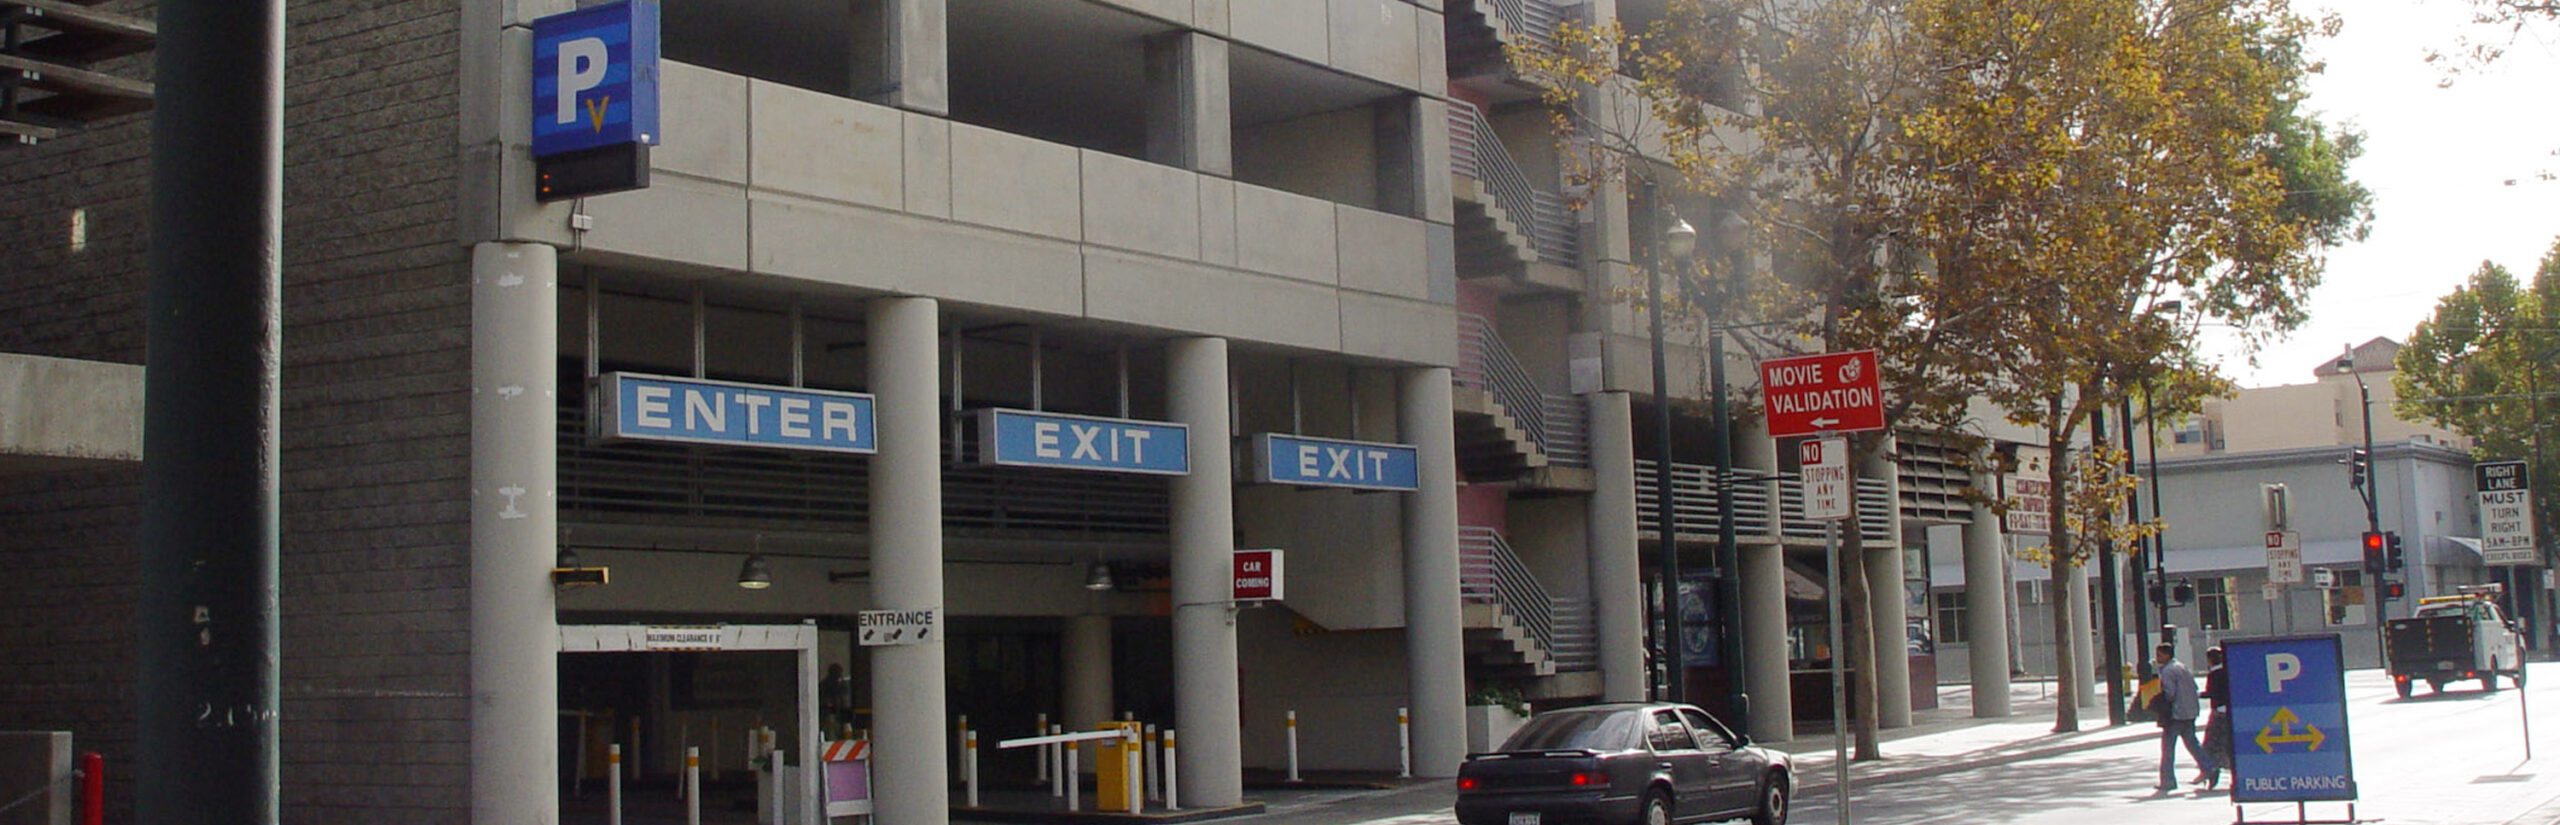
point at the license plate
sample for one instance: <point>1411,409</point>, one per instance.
<point>1524,818</point>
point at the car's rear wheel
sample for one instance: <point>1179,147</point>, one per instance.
<point>2489,678</point>
<point>1773,801</point>
<point>2435,685</point>
<point>1657,808</point>
<point>2403,686</point>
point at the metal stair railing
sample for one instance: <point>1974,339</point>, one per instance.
<point>1557,424</point>
<point>1490,573</point>
<point>1577,636</point>
<point>1476,151</point>
<point>1535,19</point>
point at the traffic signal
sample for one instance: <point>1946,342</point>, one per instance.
<point>2394,590</point>
<point>2376,556</point>
<point>2391,551</point>
<point>2182,593</point>
<point>2359,463</point>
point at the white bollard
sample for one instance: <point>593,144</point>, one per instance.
<point>1404,743</point>
<point>613,785</point>
<point>1074,787</point>
<point>1293,747</point>
<point>1060,776</point>
<point>692,786</point>
<point>1132,779</point>
<point>1155,784</point>
<point>1040,754</point>
<point>969,765</point>
<point>1172,798</point>
<point>781,793</point>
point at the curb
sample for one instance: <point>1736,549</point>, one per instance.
<point>2093,742</point>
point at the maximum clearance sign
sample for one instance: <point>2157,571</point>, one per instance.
<point>2289,720</point>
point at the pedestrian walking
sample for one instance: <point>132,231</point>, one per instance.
<point>2176,709</point>
<point>2217,731</point>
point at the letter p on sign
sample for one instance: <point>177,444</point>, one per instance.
<point>582,65</point>
<point>2282,668</point>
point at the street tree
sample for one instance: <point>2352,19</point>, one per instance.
<point>2482,365</point>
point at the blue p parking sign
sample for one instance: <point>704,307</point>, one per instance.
<point>2288,720</point>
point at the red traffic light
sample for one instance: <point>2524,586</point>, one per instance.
<point>2374,560</point>
<point>2372,541</point>
<point>2394,590</point>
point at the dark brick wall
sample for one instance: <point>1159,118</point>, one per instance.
<point>375,415</point>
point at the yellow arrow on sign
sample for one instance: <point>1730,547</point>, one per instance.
<point>2268,738</point>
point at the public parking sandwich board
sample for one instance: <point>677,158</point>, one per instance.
<point>1834,392</point>
<point>2288,720</point>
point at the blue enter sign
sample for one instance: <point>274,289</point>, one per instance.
<point>2288,720</point>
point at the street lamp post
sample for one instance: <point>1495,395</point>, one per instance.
<point>1678,241</point>
<point>1731,232</point>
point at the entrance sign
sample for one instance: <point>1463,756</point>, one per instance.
<point>2028,492</point>
<point>1327,462</point>
<point>2284,557</point>
<point>2506,512</point>
<point>888,628</point>
<point>2289,720</point>
<point>697,411</point>
<point>1834,392</point>
<point>1258,576</point>
<point>1020,438</point>
<point>1826,478</point>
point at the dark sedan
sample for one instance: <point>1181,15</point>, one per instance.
<point>1624,764</point>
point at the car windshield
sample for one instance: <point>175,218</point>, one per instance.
<point>1571,730</point>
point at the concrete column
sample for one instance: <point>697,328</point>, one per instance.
<point>909,716</point>
<point>1764,645</point>
<point>1188,123</point>
<point>902,56</point>
<point>1203,543</point>
<point>2083,644</point>
<point>1434,636</point>
<point>1617,580</point>
<point>1886,611</point>
<point>1764,599</point>
<point>515,530</point>
<point>1986,609</point>
<point>1086,659</point>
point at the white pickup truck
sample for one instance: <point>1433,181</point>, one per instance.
<point>2454,638</point>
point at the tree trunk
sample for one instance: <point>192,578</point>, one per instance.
<point>1860,635</point>
<point>2067,669</point>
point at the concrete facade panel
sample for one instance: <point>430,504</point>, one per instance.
<point>1174,11</point>
<point>1398,329</point>
<point>1013,182</point>
<point>1285,234</point>
<point>1208,300</point>
<point>1217,220</point>
<point>1345,566</point>
<point>707,137</point>
<point>928,160</point>
<point>1431,51</point>
<point>1375,38</point>
<point>1141,206</point>
<point>1433,117</point>
<point>1284,26</point>
<point>69,409</point>
<point>1382,253</point>
<point>675,219</point>
<point>827,147</point>
<point>889,252</point>
<point>1210,16</point>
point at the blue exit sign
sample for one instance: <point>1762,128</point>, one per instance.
<point>1021,438</point>
<point>595,78</point>
<point>1328,462</point>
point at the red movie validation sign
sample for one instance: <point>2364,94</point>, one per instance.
<point>1834,392</point>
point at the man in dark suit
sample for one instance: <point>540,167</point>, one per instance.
<point>2217,731</point>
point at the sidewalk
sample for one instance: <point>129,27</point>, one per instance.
<point>1948,739</point>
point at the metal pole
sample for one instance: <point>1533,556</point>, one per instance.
<point>2372,508</point>
<point>207,679</point>
<point>1839,678</point>
<point>1668,541</point>
<point>2111,611</point>
<point>1728,553</point>
<point>2160,540</point>
<point>2141,547</point>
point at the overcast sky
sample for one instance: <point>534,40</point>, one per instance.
<point>2455,173</point>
